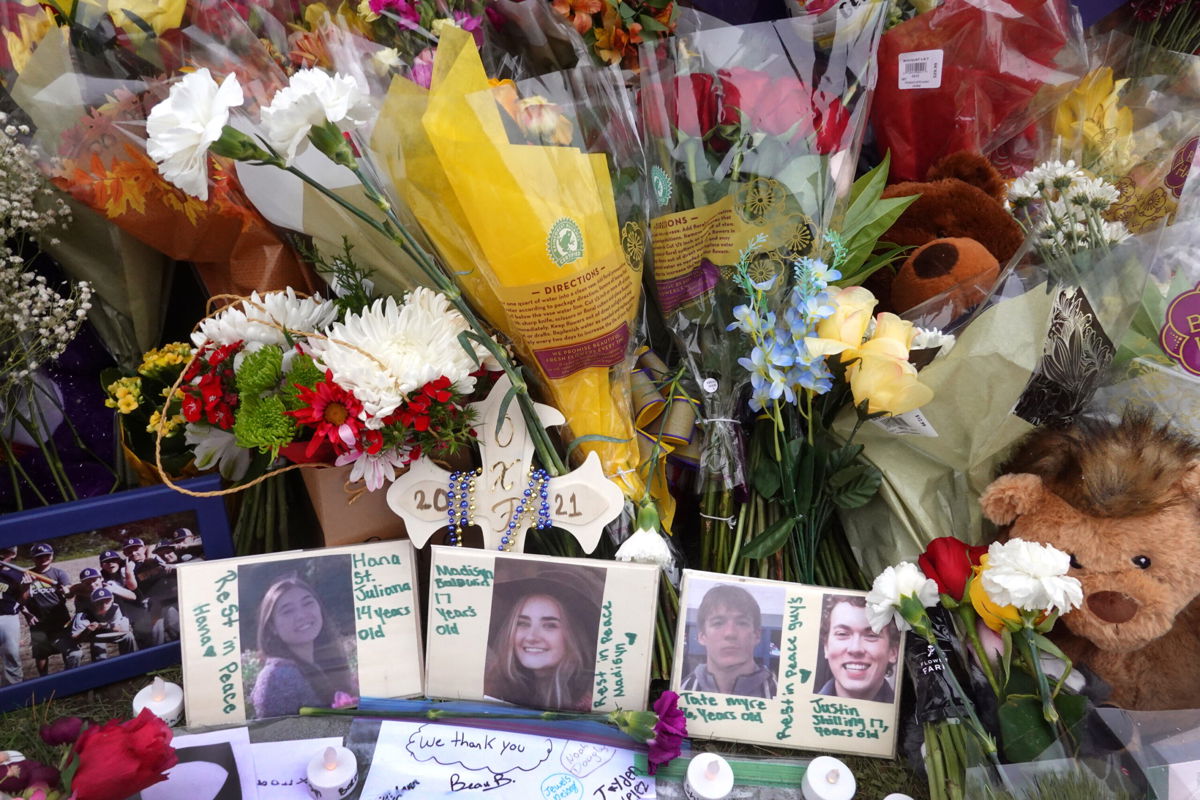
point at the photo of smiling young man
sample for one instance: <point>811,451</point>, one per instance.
<point>855,662</point>
<point>728,627</point>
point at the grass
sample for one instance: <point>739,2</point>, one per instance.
<point>19,731</point>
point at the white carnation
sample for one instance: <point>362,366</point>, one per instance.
<point>312,97</point>
<point>1031,577</point>
<point>182,127</point>
<point>903,580</point>
<point>645,546</point>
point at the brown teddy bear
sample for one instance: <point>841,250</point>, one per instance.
<point>962,201</point>
<point>1124,501</point>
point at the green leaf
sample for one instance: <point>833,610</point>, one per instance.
<point>861,240</point>
<point>1050,647</point>
<point>765,477</point>
<point>464,339</point>
<point>592,437</point>
<point>844,456</point>
<point>651,24</point>
<point>855,485</point>
<point>770,541</point>
<point>502,414</point>
<point>866,190</point>
<point>260,371</point>
<point>626,11</point>
<point>1024,732</point>
<point>1006,657</point>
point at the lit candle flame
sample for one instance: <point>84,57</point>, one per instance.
<point>159,692</point>
<point>712,770</point>
<point>833,776</point>
<point>330,758</point>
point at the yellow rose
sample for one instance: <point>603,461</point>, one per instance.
<point>887,384</point>
<point>541,119</point>
<point>892,337</point>
<point>852,307</point>
<point>994,616</point>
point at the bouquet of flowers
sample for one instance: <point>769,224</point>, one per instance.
<point>743,153</point>
<point>1016,589</point>
<point>94,148</point>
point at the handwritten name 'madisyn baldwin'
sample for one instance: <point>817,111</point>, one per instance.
<point>375,592</point>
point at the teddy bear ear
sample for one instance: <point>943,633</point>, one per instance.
<point>972,168</point>
<point>1010,496</point>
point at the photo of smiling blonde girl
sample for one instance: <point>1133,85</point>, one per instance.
<point>542,635</point>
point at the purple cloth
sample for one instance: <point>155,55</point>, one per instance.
<point>739,12</point>
<point>77,375</point>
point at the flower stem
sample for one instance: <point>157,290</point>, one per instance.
<point>1035,664</point>
<point>967,615</point>
<point>989,744</point>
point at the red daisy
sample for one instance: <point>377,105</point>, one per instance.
<point>333,411</point>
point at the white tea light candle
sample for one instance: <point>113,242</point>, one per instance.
<point>709,777</point>
<point>826,778</point>
<point>897,796</point>
<point>10,756</point>
<point>163,698</point>
<point>332,774</point>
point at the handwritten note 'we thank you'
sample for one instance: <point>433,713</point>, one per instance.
<point>421,760</point>
<point>254,631</point>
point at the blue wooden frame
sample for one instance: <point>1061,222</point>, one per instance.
<point>82,516</point>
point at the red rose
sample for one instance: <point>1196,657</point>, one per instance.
<point>948,562</point>
<point>773,105</point>
<point>831,121</point>
<point>119,759</point>
<point>694,103</point>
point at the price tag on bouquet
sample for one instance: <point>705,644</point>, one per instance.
<point>921,70</point>
<point>507,495</point>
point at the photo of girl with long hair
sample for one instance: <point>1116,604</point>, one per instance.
<point>304,646</point>
<point>545,619</point>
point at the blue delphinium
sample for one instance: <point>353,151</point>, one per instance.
<point>780,363</point>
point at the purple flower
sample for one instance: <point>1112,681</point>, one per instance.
<point>471,24</point>
<point>16,777</point>
<point>421,72</point>
<point>63,730</point>
<point>669,731</point>
<point>401,8</point>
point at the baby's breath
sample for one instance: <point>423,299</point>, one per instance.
<point>36,321</point>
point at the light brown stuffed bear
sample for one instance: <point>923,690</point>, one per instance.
<point>1124,501</point>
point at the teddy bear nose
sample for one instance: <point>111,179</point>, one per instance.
<point>1115,607</point>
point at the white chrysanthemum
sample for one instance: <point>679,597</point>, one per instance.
<point>1114,232</point>
<point>1024,190</point>
<point>312,97</point>
<point>1030,576</point>
<point>258,320</point>
<point>894,583</point>
<point>1055,174</point>
<point>645,546</point>
<point>1094,193</point>
<point>212,445</point>
<point>181,128</point>
<point>392,349</point>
